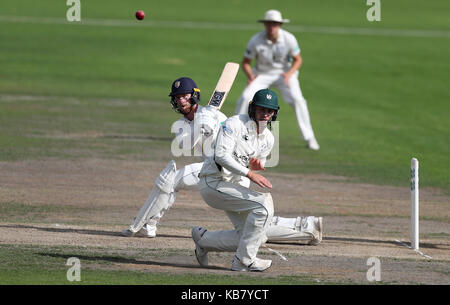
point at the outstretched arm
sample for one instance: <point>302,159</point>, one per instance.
<point>259,179</point>
<point>247,67</point>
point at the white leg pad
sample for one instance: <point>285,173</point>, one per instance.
<point>160,199</point>
<point>291,229</point>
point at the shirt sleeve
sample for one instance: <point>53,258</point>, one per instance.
<point>225,146</point>
<point>250,50</point>
<point>293,45</point>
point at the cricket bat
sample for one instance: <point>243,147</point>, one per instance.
<point>224,85</point>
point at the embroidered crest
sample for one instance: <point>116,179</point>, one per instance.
<point>227,130</point>
<point>269,96</point>
<point>177,84</point>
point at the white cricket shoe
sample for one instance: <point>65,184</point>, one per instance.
<point>312,144</point>
<point>318,231</point>
<point>200,253</point>
<point>257,265</point>
<point>146,231</point>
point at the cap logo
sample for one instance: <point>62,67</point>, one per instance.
<point>177,84</point>
<point>269,97</point>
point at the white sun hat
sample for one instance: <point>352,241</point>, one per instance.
<point>273,15</point>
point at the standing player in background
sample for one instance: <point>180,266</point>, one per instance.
<point>204,122</point>
<point>278,60</point>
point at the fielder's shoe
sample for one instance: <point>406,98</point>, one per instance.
<point>257,265</point>
<point>318,231</point>
<point>146,231</point>
<point>312,144</point>
<point>200,253</point>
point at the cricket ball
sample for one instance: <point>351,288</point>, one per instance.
<point>140,15</point>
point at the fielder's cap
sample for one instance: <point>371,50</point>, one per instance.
<point>274,16</point>
<point>266,98</point>
<point>183,85</point>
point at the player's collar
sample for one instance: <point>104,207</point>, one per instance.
<point>280,37</point>
<point>251,128</point>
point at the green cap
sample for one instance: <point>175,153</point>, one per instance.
<point>266,98</point>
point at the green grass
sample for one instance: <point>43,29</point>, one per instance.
<point>72,90</point>
<point>95,277</point>
<point>73,128</point>
<point>46,265</point>
<point>16,208</point>
<point>375,101</point>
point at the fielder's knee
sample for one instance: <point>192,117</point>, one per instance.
<point>263,215</point>
<point>268,203</point>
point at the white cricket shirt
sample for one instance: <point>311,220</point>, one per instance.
<point>272,57</point>
<point>237,142</point>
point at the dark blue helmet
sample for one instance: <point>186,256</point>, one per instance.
<point>184,85</point>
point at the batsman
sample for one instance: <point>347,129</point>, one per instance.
<point>204,122</point>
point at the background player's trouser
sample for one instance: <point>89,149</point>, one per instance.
<point>292,94</point>
<point>250,212</point>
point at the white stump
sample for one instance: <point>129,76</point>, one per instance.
<point>414,204</point>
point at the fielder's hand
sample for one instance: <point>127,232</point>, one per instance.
<point>286,78</point>
<point>256,165</point>
<point>259,179</point>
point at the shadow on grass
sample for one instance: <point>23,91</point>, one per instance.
<point>118,234</point>
<point>83,231</point>
<point>359,240</point>
<point>124,260</point>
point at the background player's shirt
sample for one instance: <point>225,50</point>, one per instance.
<point>272,57</point>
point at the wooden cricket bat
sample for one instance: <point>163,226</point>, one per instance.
<point>224,85</point>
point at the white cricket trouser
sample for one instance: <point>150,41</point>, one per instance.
<point>292,94</point>
<point>187,177</point>
<point>250,213</point>
<point>158,202</point>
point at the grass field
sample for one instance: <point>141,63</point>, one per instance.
<point>377,91</point>
<point>375,100</point>
<point>47,265</point>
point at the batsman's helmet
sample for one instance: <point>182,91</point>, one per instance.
<point>184,85</point>
<point>265,98</point>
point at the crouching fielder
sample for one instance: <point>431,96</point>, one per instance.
<point>242,146</point>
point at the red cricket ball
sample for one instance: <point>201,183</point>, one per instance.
<point>140,15</point>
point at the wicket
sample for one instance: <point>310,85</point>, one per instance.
<point>414,204</point>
